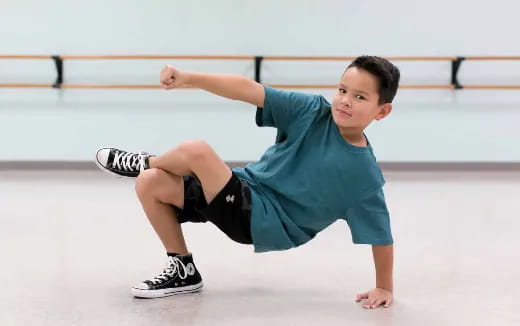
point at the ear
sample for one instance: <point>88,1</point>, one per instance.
<point>384,110</point>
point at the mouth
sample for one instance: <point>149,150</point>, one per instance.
<point>344,112</point>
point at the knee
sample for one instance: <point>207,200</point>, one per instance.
<point>195,149</point>
<point>147,182</point>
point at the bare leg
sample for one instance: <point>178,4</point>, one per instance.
<point>196,157</point>
<point>158,190</point>
<point>162,186</point>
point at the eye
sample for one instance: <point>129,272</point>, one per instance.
<point>360,97</point>
<point>342,91</point>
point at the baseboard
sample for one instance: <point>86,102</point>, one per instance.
<point>450,166</point>
<point>385,166</point>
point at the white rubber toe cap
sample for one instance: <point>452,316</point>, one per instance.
<point>142,286</point>
<point>102,156</point>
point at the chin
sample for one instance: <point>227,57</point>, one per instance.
<point>344,125</point>
<point>341,122</point>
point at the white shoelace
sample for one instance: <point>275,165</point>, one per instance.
<point>173,266</point>
<point>129,161</point>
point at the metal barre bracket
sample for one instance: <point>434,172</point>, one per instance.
<point>258,68</point>
<point>58,62</point>
<point>455,66</point>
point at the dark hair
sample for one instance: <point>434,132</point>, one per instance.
<point>386,73</point>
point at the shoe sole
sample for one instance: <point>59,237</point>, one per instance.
<point>166,292</point>
<point>104,169</point>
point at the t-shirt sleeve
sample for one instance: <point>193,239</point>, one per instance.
<point>369,220</point>
<point>282,108</point>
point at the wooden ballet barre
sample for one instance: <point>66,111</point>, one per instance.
<point>37,57</point>
<point>333,58</point>
<point>132,57</point>
<point>116,86</point>
<point>300,86</point>
<point>491,86</point>
<point>93,86</point>
<point>281,86</point>
<point>447,86</point>
<point>242,57</point>
<point>491,58</point>
<point>456,62</point>
<point>156,57</point>
<point>146,86</point>
<point>444,86</point>
<point>17,85</point>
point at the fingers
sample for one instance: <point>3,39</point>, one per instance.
<point>169,85</point>
<point>361,296</point>
<point>165,86</point>
<point>373,303</point>
<point>375,298</point>
<point>369,303</point>
<point>167,77</point>
<point>389,302</point>
<point>377,303</point>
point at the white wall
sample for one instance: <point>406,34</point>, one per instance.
<point>425,125</point>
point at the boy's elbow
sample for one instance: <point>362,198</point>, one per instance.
<point>257,94</point>
<point>252,92</point>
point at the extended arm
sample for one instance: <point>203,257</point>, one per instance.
<point>383,292</point>
<point>234,87</point>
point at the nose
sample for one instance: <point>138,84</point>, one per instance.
<point>345,100</point>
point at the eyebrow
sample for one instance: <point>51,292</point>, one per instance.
<point>356,90</point>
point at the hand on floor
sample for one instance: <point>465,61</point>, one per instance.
<point>376,297</point>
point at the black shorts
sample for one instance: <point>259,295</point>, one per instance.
<point>230,210</point>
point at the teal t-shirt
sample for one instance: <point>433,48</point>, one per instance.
<point>311,177</point>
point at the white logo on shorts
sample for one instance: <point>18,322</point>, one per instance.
<point>230,198</point>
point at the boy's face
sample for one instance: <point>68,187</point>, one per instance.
<point>355,104</point>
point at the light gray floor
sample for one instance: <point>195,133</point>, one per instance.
<point>72,244</point>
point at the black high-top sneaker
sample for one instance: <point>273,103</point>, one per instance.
<point>122,163</point>
<point>179,276</point>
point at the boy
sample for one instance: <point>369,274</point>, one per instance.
<point>320,169</point>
